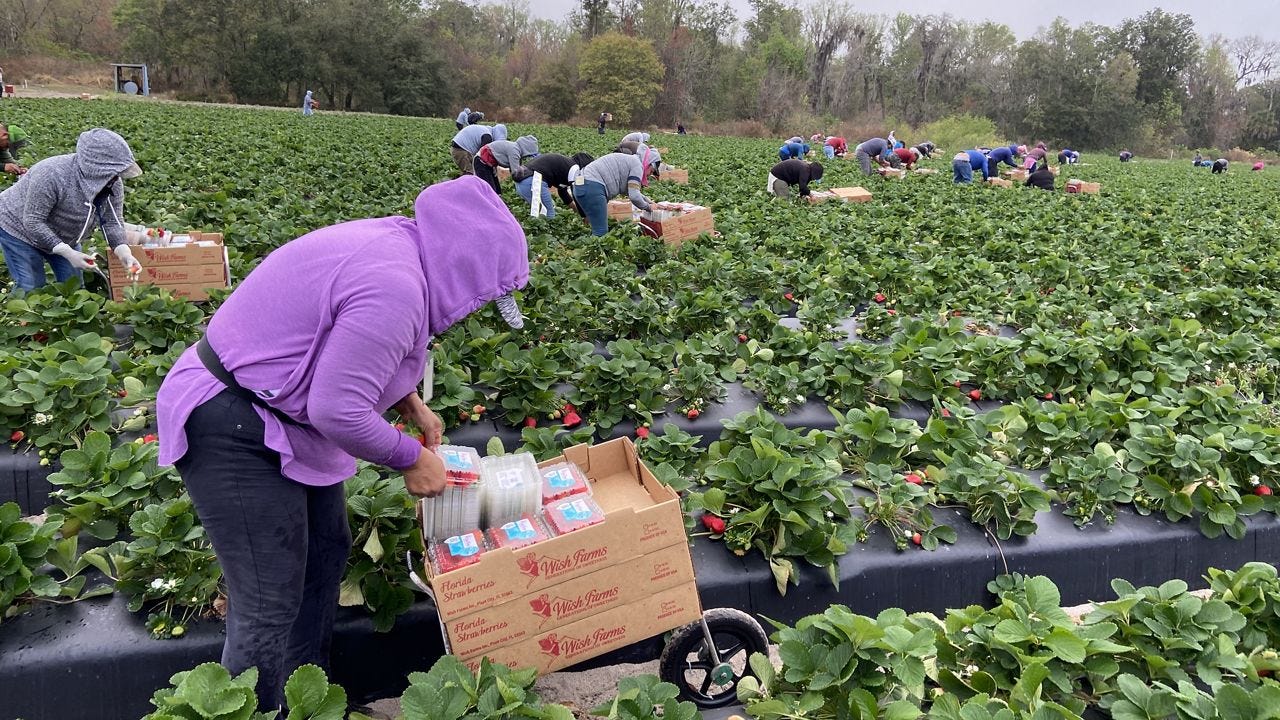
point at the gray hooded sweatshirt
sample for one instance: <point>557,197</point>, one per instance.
<point>640,137</point>
<point>509,154</point>
<point>54,202</point>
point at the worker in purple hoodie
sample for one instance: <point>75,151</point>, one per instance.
<point>265,417</point>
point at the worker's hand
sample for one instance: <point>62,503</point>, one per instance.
<point>14,169</point>
<point>413,410</point>
<point>130,263</point>
<point>78,260</point>
<point>425,478</point>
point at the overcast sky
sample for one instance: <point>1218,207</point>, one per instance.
<point>1233,18</point>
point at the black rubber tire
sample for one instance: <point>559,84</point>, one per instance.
<point>686,663</point>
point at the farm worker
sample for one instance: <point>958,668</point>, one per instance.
<point>503,153</point>
<point>835,147</point>
<point>1006,155</point>
<point>926,148</point>
<point>1257,167</point>
<point>1042,178</point>
<point>793,150</point>
<point>978,161</point>
<point>265,417</point>
<point>906,156</point>
<point>868,150</point>
<point>892,140</point>
<point>1036,155</point>
<point>605,178</point>
<point>306,104</point>
<point>1068,156</point>
<point>12,140</point>
<point>468,141</point>
<point>45,217</point>
<point>556,170</point>
<point>650,159</point>
<point>1219,166</point>
<point>793,172</point>
<point>604,118</point>
<point>636,137</point>
<point>1195,161</point>
<point>461,120</point>
<point>679,128</point>
<point>1125,156</point>
<point>795,139</point>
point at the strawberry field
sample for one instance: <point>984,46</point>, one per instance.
<point>946,367</point>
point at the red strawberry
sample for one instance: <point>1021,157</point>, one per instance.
<point>946,413</point>
<point>40,337</point>
<point>714,524</point>
<point>400,427</point>
<point>975,395</point>
<point>463,415</point>
<point>742,337</point>
<point>956,383</point>
<point>693,413</point>
<point>149,438</point>
<point>914,479</point>
<point>568,407</point>
<point>917,539</point>
<point>880,298</point>
<point>1262,491</point>
<point>531,421</point>
<point>891,311</point>
<point>789,296</point>
<point>571,418</point>
<point>642,432</point>
<point>122,393</point>
<point>17,436</point>
<point>477,410</point>
<point>1048,396</point>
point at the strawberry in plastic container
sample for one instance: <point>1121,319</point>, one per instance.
<point>573,513</point>
<point>519,533</point>
<point>461,464</point>
<point>456,552</point>
<point>563,480</point>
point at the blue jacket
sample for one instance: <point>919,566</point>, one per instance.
<point>978,161</point>
<point>793,150</point>
<point>1003,155</point>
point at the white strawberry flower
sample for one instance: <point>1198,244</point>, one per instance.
<point>41,419</point>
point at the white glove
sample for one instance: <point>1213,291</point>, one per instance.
<point>78,260</point>
<point>127,259</point>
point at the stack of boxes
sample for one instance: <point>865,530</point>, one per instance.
<point>189,266</point>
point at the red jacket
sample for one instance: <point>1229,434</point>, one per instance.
<point>905,155</point>
<point>838,144</point>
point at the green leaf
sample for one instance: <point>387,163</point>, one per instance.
<point>1066,645</point>
<point>305,690</point>
<point>373,546</point>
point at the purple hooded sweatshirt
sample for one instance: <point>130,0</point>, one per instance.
<point>335,326</point>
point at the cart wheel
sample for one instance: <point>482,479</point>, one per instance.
<point>686,661</point>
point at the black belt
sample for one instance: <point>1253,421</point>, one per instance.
<point>215,367</point>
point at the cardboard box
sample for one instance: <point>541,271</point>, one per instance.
<point>503,174</point>
<point>173,275</point>
<point>844,194</point>
<point>893,173</point>
<point>187,254</point>
<point>674,227</point>
<point>1000,182</point>
<point>1055,170</point>
<point>570,601</point>
<point>679,176</point>
<point>187,291</point>
<point>1015,174</point>
<point>1080,186</point>
<point>621,210</point>
<point>642,516</point>
<point>598,634</point>
<point>926,171</point>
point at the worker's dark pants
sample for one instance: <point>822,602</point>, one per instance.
<point>463,159</point>
<point>487,173</point>
<point>282,545</point>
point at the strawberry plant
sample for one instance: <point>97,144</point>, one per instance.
<point>787,506</point>
<point>384,526</point>
<point>673,447</point>
<point>645,697</point>
<point>59,391</point>
<point>1094,484</point>
<point>449,690</point>
<point>168,566</point>
<point>549,442</point>
<point>54,313</point>
<point>997,498</point>
<point>625,385</point>
<point>900,504</point>
<point>872,436</point>
<point>101,487</point>
<point>209,692</point>
<point>159,320</point>
<point>23,547</point>
<point>525,380</point>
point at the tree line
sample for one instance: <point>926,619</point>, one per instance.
<point>1151,82</point>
